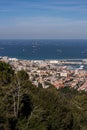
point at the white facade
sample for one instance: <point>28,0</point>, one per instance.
<point>63,74</point>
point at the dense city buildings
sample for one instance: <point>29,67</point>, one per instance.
<point>59,73</point>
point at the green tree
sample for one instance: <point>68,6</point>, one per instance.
<point>6,73</point>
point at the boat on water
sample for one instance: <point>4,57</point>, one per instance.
<point>76,68</point>
<point>84,52</point>
<point>81,67</point>
<point>1,48</point>
<point>59,50</point>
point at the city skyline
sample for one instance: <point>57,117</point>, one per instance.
<point>48,19</point>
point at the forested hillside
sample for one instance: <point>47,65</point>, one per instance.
<point>26,107</point>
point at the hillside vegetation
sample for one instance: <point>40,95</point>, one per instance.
<point>25,107</point>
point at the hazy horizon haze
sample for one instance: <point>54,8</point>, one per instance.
<point>48,19</point>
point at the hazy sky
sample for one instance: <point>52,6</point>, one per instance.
<point>54,19</point>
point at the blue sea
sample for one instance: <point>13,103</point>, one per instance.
<point>44,49</point>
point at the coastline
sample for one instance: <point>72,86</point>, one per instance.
<point>56,72</point>
<point>66,61</point>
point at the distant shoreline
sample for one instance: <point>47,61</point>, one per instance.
<point>66,59</point>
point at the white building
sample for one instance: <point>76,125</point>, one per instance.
<point>53,62</point>
<point>63,74</point>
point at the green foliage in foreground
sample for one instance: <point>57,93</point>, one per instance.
<point>25,107</point>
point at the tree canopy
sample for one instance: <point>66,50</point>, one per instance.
<point>26,107</point>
